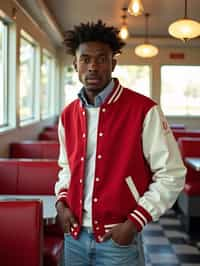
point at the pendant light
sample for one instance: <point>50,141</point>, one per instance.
<point>185,28</point>
<point>135,8</point>
<point>124,34</point>
<point>146,50</point>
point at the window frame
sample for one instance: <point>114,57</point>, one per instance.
<point>51,82</point>
<point>184,116</point>
<point>34,80</point>
<point>5,92</point>
<point>150,77</point>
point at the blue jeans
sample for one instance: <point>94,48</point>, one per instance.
<point>87,252</point>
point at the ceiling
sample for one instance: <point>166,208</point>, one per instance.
<point>66,13</point>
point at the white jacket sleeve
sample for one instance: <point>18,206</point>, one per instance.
<point>161,152</point>
<point>64,175</point>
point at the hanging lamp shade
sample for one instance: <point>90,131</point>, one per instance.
<point>135,8</point>
<point>124,34</point>
<point>185,28</point>
<point>146,50</point>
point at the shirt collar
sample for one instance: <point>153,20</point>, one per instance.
<point>100,98</point>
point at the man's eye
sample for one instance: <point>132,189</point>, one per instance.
<point>101,60</point>
<point>84,60</point>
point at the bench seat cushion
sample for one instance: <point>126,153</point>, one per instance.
<point>53,250</point>
<point>192,188</point>
<point>37,177</point>
<point>8,176</point>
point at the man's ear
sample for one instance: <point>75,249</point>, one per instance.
<point>75,64</point>
<point>114,62</point>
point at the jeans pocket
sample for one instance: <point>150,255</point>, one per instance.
<point>67,234</point>
<point>115,244</point>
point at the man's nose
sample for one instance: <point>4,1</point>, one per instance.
<point>93,66</point>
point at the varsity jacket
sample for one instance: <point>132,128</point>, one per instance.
<point>138,169</point>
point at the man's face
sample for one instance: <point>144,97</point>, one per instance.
<point>94,63</point>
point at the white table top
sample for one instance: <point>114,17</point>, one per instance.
<point>194,162</point>
<point>49,210</point>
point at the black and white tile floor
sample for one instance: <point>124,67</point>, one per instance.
<point>167,244</point>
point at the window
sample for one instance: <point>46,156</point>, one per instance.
<point>72,85</point>
<point>3,75</point>
<point>134,77</point>
<point>27,79</point>
<point>180,90</point>
<point>47,80</point>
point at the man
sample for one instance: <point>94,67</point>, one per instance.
<point>121,168</point>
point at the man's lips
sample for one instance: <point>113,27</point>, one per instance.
<point>93,79</point>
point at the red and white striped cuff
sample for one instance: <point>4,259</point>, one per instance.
<point>62,196</point>
<point>140,217</point>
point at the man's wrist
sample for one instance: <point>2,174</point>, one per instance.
<point>60,205</point>
<point>131,226</point>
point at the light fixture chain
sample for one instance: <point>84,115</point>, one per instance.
<point>146,27</point>
<point>185,9</point>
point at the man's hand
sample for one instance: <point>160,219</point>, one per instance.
<point>122,233</point>
<point>65,217</point>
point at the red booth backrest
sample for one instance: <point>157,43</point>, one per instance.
<point>51,128</point>
<point>35,149</point>
<point>48,135</point>
<point>178,133</point>
<point>37,177</point>
<point>189,147</point>
<point>8,176</point>
<point>21,233</point>
<point>51,150</point>
<point>192,188</point>
<point>26,176</point>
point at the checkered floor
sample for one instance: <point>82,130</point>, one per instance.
<point>167,244</point>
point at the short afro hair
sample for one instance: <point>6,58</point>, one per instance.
<point>90,32</point>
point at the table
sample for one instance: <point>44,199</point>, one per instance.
<point>49,210</point>
<point>194,162</point>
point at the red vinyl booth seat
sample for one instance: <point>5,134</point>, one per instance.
<point>48,135</point>
<point>40,173</point>
<point>190,147</point>
<point>27,176</point>
<point>192,188</point>
<point>178,133</point>
<point>34,177</point>
<point>8,176</point>
<point>21,233</point>
<point>189,199</point>
<point>35,149</point>
<point>51,128</point>
<point>52,250</point>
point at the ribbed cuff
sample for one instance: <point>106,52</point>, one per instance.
<point>62,196</point>
<point>140,217</point>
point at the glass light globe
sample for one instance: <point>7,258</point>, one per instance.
<point>146,50</point>
<point>123,34</point>
<point>184,29</point>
